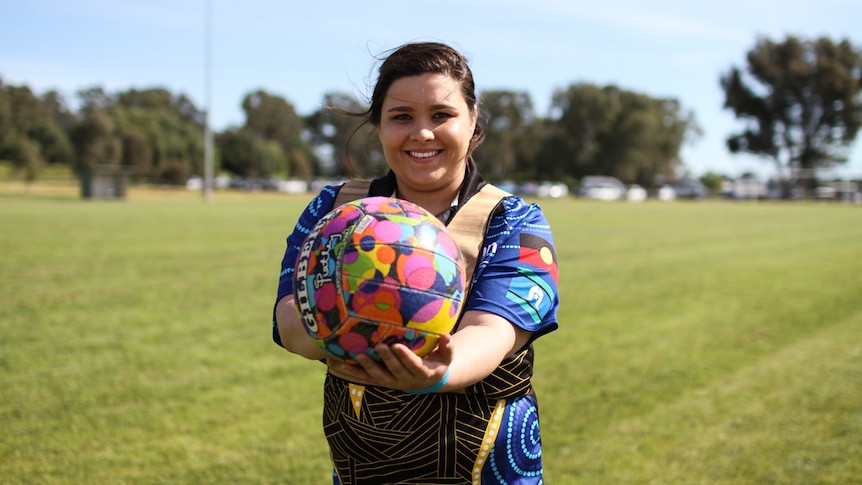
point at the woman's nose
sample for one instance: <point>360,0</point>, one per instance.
<point>422,133</point>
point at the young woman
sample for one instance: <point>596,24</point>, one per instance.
<point>466,413</point>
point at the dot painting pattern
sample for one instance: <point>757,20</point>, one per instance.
<point>517,453</point>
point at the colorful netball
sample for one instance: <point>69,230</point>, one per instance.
<point>375,270</point>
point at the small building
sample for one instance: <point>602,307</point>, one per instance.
<point>105,182</point>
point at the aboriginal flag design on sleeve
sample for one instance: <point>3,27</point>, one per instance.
<point>539,253</point>
<point>530,288</point>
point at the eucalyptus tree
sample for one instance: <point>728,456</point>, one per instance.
<point>161,133</point>
<point>507,117</point>
<point>245,153</point>
<point>349,146</point>
<point>30,135</point>
<point>274,119</point>
<point>610,131</point>
<point>799,101</point>
<point>95,140</point>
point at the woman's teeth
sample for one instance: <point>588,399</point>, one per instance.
<point>424,154</point>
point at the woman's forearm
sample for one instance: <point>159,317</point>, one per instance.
<point>480,344</point>
<point>294,338</point>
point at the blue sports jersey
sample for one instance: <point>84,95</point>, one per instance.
<point>488,434</point>
<point>516,275</point>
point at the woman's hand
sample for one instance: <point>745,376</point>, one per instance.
<point>400,368</point>
<point>482,341</point>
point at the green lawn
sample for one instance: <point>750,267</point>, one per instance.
<point>700,343</point>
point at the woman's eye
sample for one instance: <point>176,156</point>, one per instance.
<point>442,116</point>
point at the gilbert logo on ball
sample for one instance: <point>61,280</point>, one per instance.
<point>378,269</point>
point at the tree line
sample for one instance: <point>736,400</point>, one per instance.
<point>157,135</point>
<point>799,102</point>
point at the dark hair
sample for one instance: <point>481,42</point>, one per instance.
<point>422,58</point>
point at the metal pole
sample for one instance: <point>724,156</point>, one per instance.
<point>208,136</point>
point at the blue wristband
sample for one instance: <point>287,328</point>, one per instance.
<point>430,389</point>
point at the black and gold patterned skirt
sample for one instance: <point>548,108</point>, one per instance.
<point>489,434</point>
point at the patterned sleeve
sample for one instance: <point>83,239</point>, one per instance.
<point>319,206</point>
<point>516,277</point>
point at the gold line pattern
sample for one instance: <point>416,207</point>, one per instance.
<point>488,441</point>
<point>384,436</point>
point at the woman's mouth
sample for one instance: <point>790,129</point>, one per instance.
<point>424,154</point>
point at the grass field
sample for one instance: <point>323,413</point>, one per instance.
<point>700,343</point>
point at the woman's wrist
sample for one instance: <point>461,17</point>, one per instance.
<point>433,388</point>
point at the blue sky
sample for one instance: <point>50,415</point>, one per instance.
<point>300,50</point>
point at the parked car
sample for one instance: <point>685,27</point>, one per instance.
<point>553,190</point>
<point>665,193</point>
<point>195,183</point>
<point>292,186</point>
<point>847,191</point>
<point>527,189</point>
<point>690,189</point>
<point>746,188</point>
<point>534,188</point>
<point>825,192</point>
<point>783,190</point>
<point>636,193</point>
<point>601,188</point>
<point>509,186</point>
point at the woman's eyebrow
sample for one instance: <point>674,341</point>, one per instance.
<point>433,107</point>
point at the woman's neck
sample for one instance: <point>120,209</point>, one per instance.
<point>434,202</point>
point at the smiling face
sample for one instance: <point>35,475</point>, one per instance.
<point>425,129</point>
